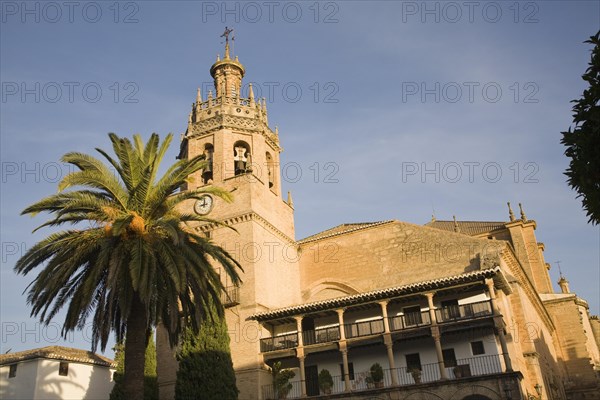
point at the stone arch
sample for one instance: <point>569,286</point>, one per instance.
<point>327,288</point>
<point>242,160</point>
<point>207,173</point>
<point>476,392</point>
<point>270,169</point>
<point>423,396</point>
<point>377,398</point>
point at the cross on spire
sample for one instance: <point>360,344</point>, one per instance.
<point>227,33</point>
<point>559,270</point>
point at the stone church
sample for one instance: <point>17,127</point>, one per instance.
<point>452,310</point>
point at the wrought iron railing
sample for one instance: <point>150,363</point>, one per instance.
<point>321,335</point>
<point>404,376</point>
<point>230,296</point>
<point>282,342</point>
<point>463,311</point>
<point>364,328</point>
<point>475,366</point>
<point>409,320</point>
<point>292,390</point>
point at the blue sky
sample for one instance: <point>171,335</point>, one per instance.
<point>388,109</point>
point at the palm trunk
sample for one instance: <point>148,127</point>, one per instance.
<point>135,348</point>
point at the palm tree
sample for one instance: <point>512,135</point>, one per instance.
<point>131,260</point>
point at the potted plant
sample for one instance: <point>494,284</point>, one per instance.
<point>416,374</point>
<point>375,378</point>
<point>281,380</point>
<point>325,381</point>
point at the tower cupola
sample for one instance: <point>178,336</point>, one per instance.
<point>227,72</point>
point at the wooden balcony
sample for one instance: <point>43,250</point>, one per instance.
<point>282,342</point>
<point>409,321</point>
<point>463,312</point>
<point>365,329</point>
<point>480,366</point>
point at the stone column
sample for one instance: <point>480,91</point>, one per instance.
<point>431,307</point>
<point>384,313</point>
<point>499,324</point>
<point>344,351</point>
<point>389,345</point>
<point>299,329</point>
<point>341,322</point>
<point>301,358</point>
<point>435,333</point>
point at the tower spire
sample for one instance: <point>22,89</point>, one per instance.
<point>523,216</point>
<point>251,94</point>
<point>198,97</point>
<point>562,281</point>
<point>227,72</point>
<point>511,214</point>
<point>456,227</point>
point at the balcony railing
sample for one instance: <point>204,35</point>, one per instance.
<point>475,366</point>
<point>321,335</point>
<point>483,365</point>
<point>409,320</point>
<point>365,328</point>
<point>463,311</point>
<point>230,296</point>
<point>282,342</point>
<point>293,390</point>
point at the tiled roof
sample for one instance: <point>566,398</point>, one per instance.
<point>380,294</point>
<point>472,228</point>
<point>342,229</point>
<point>58,353</point>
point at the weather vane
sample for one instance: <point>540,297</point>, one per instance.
<point>559,271</point>
<point>227,33</point>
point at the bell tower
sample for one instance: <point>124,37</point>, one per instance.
<point>243,151</point>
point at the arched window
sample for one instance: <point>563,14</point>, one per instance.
<point>207,173</point>
<point>241,158</point>
<point>270,170</point>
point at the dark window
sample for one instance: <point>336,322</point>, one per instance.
<point>477,348</point>
<point>12,372</point>
<point>350,371</point>
<point>63,368</point>
<point>413,361</point>
<point>412,316</point>
<point>311,374</point>
<point>451,310</point>
<point>449,358</point>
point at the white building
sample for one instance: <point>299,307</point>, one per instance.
<point>55,372</point>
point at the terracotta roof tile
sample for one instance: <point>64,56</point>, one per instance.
<point>342,229</point>
<point>381,294</point>
<point>471,228</point>
<point>58,353</point>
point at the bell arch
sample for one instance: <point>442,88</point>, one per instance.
<point>242,158</point>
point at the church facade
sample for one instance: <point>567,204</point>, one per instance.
<point>459,310</point>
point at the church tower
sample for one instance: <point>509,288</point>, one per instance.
<point>243,153</point>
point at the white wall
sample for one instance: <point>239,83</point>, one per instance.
<point>23,385</point>
<point>39,379</point>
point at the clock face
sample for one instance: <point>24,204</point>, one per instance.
<point>204,204</point>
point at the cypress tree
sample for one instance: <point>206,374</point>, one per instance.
<point>205,366</point>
